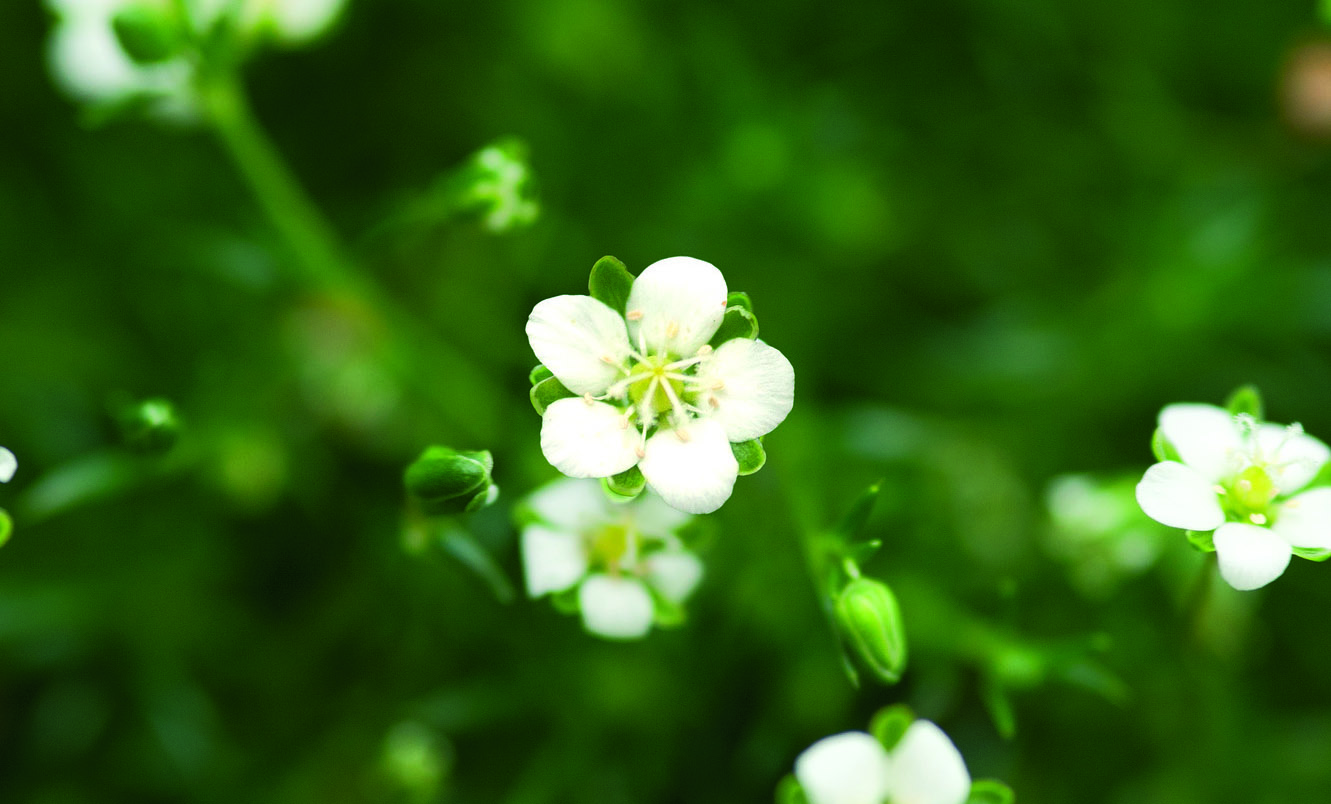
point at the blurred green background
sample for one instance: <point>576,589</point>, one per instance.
<point>993,237</point>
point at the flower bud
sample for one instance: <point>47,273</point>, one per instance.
<point>870,619</point>
<point>446,481</point>
<point>148,32</point>
<point>150,427</point>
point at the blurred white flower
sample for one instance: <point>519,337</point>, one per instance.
<point>654,394</point>
<point>1097,527</point>
<point>619,558</point>
<point>853,768</point>
<point>8,465</point>
<point>291,21</point>
<point>1241,478</point>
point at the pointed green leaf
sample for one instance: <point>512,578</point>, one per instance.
<point>546,392</point>
<point>990,791</point>
<point>750,455</point>
<point>1246,400</point>
<point>890,723</point>
<point>738,323</point>
<point>610,283</point>
<point>538,374</point>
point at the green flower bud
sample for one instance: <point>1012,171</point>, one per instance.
<point>148,32</point>
<point>870,619</point>
<point>150,427</point>
<point>6,526</point>
<point>446,481</point>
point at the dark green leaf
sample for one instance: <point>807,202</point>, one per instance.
<point>750,455</point>
<point>546,392</point>
<point>610,283</point>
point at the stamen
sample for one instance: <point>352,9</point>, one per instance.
<point>1257,519</point>
<point>711,400</point>
<point>588,398</point>
<point>704,350</point>
<point>674,400</point>
<point>634,315</point>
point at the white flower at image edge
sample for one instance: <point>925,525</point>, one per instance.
<point>292,21</point>
<point>658,371</point>
<point>582,540</point>
<point>1242,480</point>
<point>8,465</point>
<point>854,768</point>
<point>89,64</point>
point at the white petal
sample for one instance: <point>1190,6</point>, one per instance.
<point>682,301</point>
<point>654,517</point>
<point>295,20</point>
<point>618,608</point>
<point>1206,437</point>
<point>1305,520</point>
<point>1178,496</point>
<point>570,504</point>
<point>926,768</point>
<point>88,62</point>
<point>553,559</point>
<point>8,465</point>
<point>695,473</point>
<point>587,440</point>
<point>757,387</point>
<point>1294,457</point>
<point>1250,557</point>
<point>579,339</point>
<point>848,768</point>
<point>674,573</point>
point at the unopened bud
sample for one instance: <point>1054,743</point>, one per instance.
<point>446,481</point>
<point>150,427</point>
<point>148,32</point>
<point>870,619</point>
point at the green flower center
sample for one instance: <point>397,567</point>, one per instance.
<point>1249,495</point>
<point>650,388</point>
<point>607,545</point>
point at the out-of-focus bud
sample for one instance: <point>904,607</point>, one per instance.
<point>150,427</point>
<point>415,761</point>
<point>870,619</point>
<point>148,32</point>
<point>447,481</point>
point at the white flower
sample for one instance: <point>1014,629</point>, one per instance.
<point>654,394</point>
<point>8,465</point>
<point>1241,479</point>
<point>615,555</point>
<point>90,65</point>
<point>854,768</point>
<point>291,21</point>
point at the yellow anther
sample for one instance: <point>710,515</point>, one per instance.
<point>634,315</point>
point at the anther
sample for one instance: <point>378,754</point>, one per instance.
<point>718,385</point>
<point>672,329</point>
<point>640,452</point>
<point>711,400</point>
<point>588,398</point>
<point>1257,519</point>
<point>683,435</point>
<point>634,315</point>
<point>607,359</point>
<point>704,350</point>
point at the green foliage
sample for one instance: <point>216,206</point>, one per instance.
<point>610,283</point>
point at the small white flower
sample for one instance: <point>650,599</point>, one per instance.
<point>8,465</point>
<point>291,21</point>
<point>615,555</point>
<point>654,394</point>
<point>1241,479</point>
<point>854,768</point>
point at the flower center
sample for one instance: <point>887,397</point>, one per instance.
<point>652,386</point>
<point>1249,495</point>
<point>608,545</point>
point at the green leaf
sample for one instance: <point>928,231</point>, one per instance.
<point>750,455</point>
<point>1246,400</point>
<point>853,523</point>
<point>610,284</point>
<point>1163,450</point>
<point>739,298</point>
<point>546,392</point>
<point>788,791</point>
<point>626,485</point>
<point>890,723</point>
<point>538,374</point>
<point>738,323</point>
<point>990,791</point>
<point>1202,540</point>
<point>1310,553</point>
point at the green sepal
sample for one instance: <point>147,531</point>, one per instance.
<point>547,392</point>
<point>565,601</point>
<point>6,526</point>
<point>890,723</point>
<point>610,284</point>
<point>738,323</point>
<point>1246,401</point>
<point>998,702</point>
<point>739,298</point>
<point>990,791</point>
<point>1310,553</point>
<point>1162,449</point>
<point>667,613</point>
<point>750,455</point>
<point>1202,540</point>
<point>855,520</point>
<point>147,34</point>
<point>788,791</point>
<point>1322,478</point>
<point>539,373</point>
<point>625,486</point>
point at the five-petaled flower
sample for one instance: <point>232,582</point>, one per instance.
<point>924,767</point>
<point>622,561</point>
<point>1242,479</point>
<point>654,393</point>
